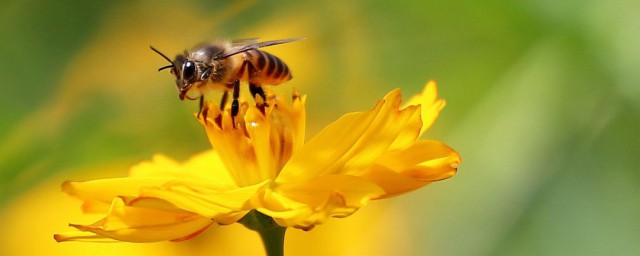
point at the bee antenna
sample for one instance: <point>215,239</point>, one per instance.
<point>165,67</point>
<point>173,65</point>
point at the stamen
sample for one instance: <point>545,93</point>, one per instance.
<point>218,120</point>
<point>294,94</point>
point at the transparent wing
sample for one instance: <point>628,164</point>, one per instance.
<point>255,45</point>
<point>244,42</point>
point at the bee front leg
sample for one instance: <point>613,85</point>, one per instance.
<point>203,109</point>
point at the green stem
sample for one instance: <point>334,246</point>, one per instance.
<point>272,235</point>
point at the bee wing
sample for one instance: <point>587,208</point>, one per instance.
<point>244,42</point>
<point>255,45</point>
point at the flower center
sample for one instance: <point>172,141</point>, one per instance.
<point>258,142</point>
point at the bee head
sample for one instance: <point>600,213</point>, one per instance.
<point>185,71</point>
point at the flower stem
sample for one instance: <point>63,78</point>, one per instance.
<point>271,233</point>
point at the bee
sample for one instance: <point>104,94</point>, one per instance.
<point>222,66</point>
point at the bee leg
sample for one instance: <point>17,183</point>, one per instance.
<point>235,106</point>
<point>204,110</point>
<point>255,91</point>
<point>223,101</point>
<point>255,88</point>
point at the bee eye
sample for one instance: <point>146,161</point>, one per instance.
<point>188,70</point>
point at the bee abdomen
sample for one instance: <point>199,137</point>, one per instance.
<point>271,69</point>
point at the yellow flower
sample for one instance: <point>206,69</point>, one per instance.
<point>262,163</point>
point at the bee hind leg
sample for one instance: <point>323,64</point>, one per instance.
<point>223,101</point>
<point>256,90</point>
<point>235,106</point>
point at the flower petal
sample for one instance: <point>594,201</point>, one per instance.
<point>310,203</point>
<point>140,220</point>
<point>203,166</point>
<point>429,103</point>
<point>223,205</point>
<point>259,130</point>
<point>353,142</point>
<point>297,113</point>
<point>234,148</point>
<point>83,236</point>
<point>287,128</point>
<point>405,170</point>
<point>105,190</point>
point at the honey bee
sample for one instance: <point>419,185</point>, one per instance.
<point>222,65</point>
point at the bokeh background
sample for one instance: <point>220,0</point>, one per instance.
<point>543,104</point>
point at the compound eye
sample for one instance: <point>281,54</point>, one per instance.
<point>188,70</point>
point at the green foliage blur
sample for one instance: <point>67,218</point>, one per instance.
<point>543,103</point>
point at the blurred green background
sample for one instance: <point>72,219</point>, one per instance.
<point>543,105</point>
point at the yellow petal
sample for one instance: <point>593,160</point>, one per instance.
<point>235,150</point>
<point>223,205</point>
<point>353,142</point>
<point>287,128</point>
<point>429,103</point>
<point>325,148</point>
<point>94,206</point>
<point>313,202</point>
<point>292,117</point>
<point>83,236</point>
<point>354,191</point>
<point>140,220</point>
<point>297,112</point>
<point>203,166</point>
<point>405,170</point>
<point>278,206</point>
<point>259,130</point>
<point>105,190</point>
<point>161,170</point>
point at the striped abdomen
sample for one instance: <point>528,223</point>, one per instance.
<point>270,69</point>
